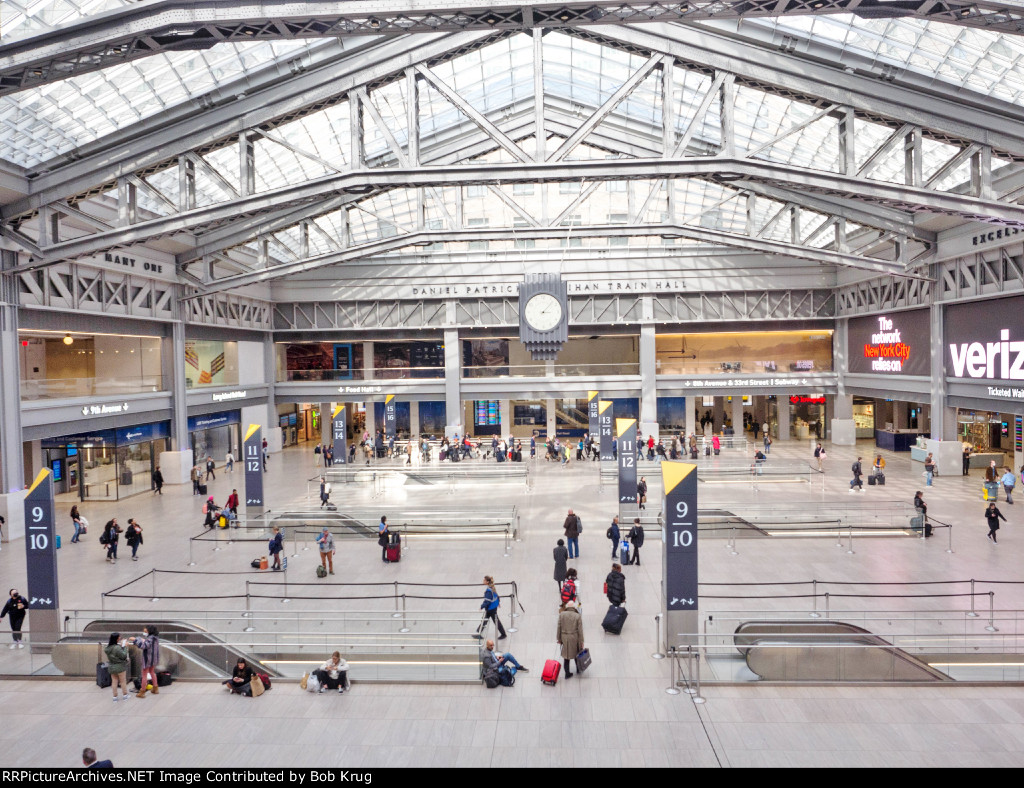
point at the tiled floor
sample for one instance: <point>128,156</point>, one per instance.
<point>617,715</point>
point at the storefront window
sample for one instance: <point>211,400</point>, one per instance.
<point>532,414</point>
<point>571,417</point>
<point>432,418</point>
<point>402,421</point>
<point>400,360</point>
<point>807,417</point>
<point>672,414</point>
<point>318,361</point>
<point>214,436</point>
<point>767,352</point>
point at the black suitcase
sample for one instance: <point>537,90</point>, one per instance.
<point>202,489</point>
<point>614,619</point>
<point>881,480</point>
<point>693,454</point>
<point>872,481</point>
<point>717,451</point>
<point>102,675</point>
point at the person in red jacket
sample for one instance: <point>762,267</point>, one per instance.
<point>232,503</point>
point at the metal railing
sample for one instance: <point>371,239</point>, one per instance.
<point>376,373</point>
<point>66,388</point>
<point>559,370</point>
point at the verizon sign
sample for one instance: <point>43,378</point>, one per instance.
<point>985,341</point>
<point>892,344</point>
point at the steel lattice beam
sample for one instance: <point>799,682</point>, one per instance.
<point>138,31</point>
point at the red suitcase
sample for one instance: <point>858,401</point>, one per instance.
<point>551,670</point>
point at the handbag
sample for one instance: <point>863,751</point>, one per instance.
<point>312,683</point>
<point>256,686</point>
<point>304,681</point>
<point>583,660</point>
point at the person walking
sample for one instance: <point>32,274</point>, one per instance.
<point>992,479</point>
<point>490,605</point>
<point>858,471</point>
<point>117,664</point>
<point>993,515</point>
<point>158,481</point>
<point>383,537</point>
<point>275,546</point>
<point>573,528</point>
<point>569,635</point>
<point>15,607</point>
<point>929,469</point>
<point>716,444</point>
<point>614,534</point>
<point>967,461</point>
<point>615,586</point>
<point>561,555</point>
<point>1008,482</point>
<point>149,644</point>
<point>767,443</point>
<point>641,492</point>
<point>76,521</point>
<point>636,538</point>
<point>210,466</point>
<point>325,492</point>
<point>111,532</point>
<point>133,537</point>
<point>568,590</point>
<point>229,461</point>
<point>326,543</point>
<point>211,510</point>
<point>232,503</point>
<point>266,454</point>
<point>819,455</point>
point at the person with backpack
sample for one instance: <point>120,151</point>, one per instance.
<point>615,586</point>
<point>133,537</point>
<point>490,607</point>
<point>573,528</point>
<point>109,538</point>
<point>76,520</point>
<point>857,473</point>
<point>503,666</point>
<point>158,481</point>
<point>15,607</point>
<point>636,538</point>
<point>561,555</point>
<point>211,511</point>
<point>641,493</point>
<point>569,635</point>
<point>614,534</point>
<point>568,591</point>
<point>275,546</point>
<point>326,543</point>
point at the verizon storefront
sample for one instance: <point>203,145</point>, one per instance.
<point>984,363</point>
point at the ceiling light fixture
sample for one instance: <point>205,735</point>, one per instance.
<point>68,339</point>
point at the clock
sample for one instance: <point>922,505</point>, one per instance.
<point>543,312</point>
<point>543,315</point>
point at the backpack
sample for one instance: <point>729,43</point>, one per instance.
<point>579,525</point>
<point>568,591</point>
<point>491,679</point>
<point>105,537</point>
<point>507,678</point>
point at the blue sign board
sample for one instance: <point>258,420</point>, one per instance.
<point>214,420</point>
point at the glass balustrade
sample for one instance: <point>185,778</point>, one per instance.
<point>63,388</point>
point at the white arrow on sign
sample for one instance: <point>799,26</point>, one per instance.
<point>85,411</point>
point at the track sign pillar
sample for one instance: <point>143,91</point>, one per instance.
<point>681,601</point>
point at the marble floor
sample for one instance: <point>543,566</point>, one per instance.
<point>616,715</point>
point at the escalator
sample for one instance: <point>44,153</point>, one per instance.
<point>826,651</point>
<point>186,650</point>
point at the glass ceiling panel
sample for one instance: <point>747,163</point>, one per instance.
<point>24,18</point>
<point>987,63</point>
<point>47,121</point>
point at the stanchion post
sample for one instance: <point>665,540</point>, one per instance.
<point>506,553</point>
<point>191,560</point>
<point>950,529</point>
<point>405,624</point>
<point>248,609</point>
<point>396,614</point>
<point>657,638</point>
<point>850,549</point>
<point>991,613</point>
<point>697,697</point>
<point>732,540</point>
<point>814,598</point>
<point>972,614</point>
<point>284,571</point>
<point>673,689</point>
<point>515,599</point>
<point>839,533</point>
<point>103,603</point>
<point>688,689</point>
<point>155,598</point>
<point>827,614</point>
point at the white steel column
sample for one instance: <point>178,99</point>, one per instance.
<point>842,428</point>
<point>944,442</point>
<point>453,413</point>
<point>648,378</point>
<point>737,415</point>
<point>12,470</point>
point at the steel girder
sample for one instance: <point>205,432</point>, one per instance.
<point>912,199</point>
<point>135,32</point>
<point>597,310</point>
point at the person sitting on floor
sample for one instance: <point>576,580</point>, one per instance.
<point>333,674</point>
<point>240,678</point>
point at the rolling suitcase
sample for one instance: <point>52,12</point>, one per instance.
<point>717,451</point>
<point>693,454</point>
<point>58,541</point>
<point>872,480</point>
<point>624,552</point>
<point>202,489</point>
<point>551,670</point>
<point>881,480</point>
<point>102,675</point>
<point>394,550</point>
<point>614,619</point>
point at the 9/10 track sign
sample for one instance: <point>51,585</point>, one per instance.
<point>680,480</point>
<point>41,544</point>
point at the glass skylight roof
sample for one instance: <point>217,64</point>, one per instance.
<point>23,18</point>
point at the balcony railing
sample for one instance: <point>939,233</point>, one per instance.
<point>560,370</point>
<point>377,373</point>
<point>63,388</point>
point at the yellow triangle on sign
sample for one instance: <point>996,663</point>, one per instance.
<point>389,398</point>
<point>674,472</point>
<point>603,405</point>
<point>337,409</point>
<point>623,425</point>
<point>252,430</point>
<point>591,395</point>
<point>39,478</point>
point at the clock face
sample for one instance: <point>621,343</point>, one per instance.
<point>543,312</point>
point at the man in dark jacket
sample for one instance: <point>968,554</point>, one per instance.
<point>158,481</point>
<point>636,538</point>
<point>90,762</point>
<point>993,515</point>
<point>641,492</point>
<point>857,473</point>
<point>573,527</point>
<point>615,586</point>
<point>614,534</point>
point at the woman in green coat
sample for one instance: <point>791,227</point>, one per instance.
<point>117,664</point>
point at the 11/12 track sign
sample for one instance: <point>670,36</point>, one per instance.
<point>252,449</point>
